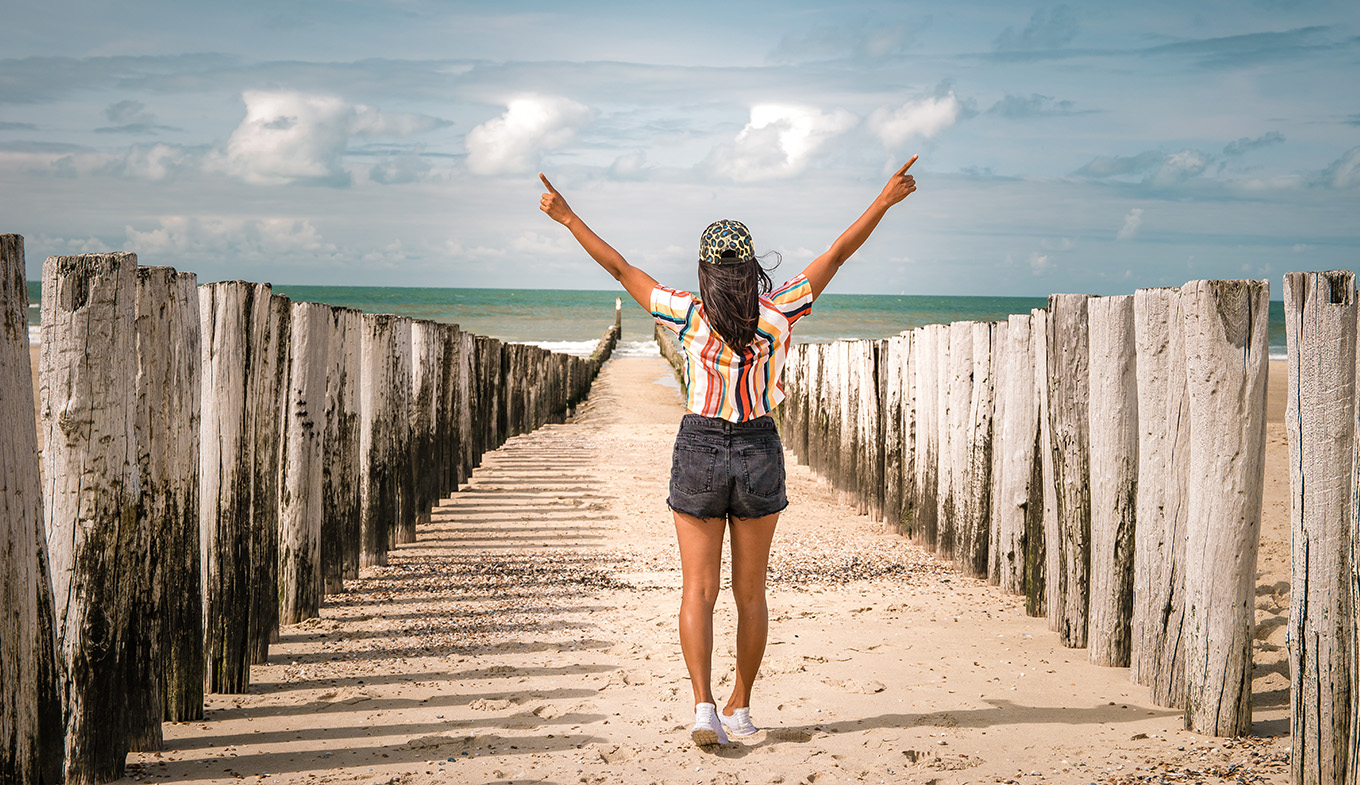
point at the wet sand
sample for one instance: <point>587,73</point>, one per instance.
<point>529,636</point>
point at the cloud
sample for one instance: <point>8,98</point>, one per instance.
<point>1047,29</point>
<point>632,165</point>
<point>1039,263</point>
<point>778,141</point>
<point>1247,144</point>
<point>8,126</point>
<point>1035,105</point>
<point>1153,167</point>
<point>865,40</point>
<point>199,236</point>
<point>1251,49</point>
<point>922,118</point>
<point>1132,222</point>
<point>530,126</point>
<point>1345,171</point>
<point>154,162</point>
<point>130,117</point>
<point>290,137</point>
<point>398,169</point>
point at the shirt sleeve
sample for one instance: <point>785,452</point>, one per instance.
<point>793,299</point>
<point>671,307</point>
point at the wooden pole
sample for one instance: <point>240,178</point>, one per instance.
<point>379,458</point>
<point>1000,339</point>
<point>1019,497</point>
<point>974,488</point>
<point>906,513</point>
<point>181,592</point>
<point>447,436</point>
<point>1156,656</point>
<point>1068,398</point>
<point>954,439</point>
<point>233,319</point>
<point>340,493</point>
<point>87,371</point>
<point>1041,541</point>
<point>31,734</point>
<point>165,641</point>
<point>302,504</point>
<point>1226,361</point>
<point>271,381</point>
<point>1114,476</point>
<point>405,530</point>
<point>426,353</point>
<point>925,364</point>
<point>1320,328</point>
<point>892,431</point>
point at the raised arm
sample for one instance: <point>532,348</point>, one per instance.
<point>821,270</point>
<point>638,283</point>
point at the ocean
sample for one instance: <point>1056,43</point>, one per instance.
<point>572,320</point>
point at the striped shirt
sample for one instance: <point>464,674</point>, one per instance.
<point>727,383</point>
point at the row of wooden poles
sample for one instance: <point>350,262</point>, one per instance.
<point>216,459</point>
<point>1101,456</point>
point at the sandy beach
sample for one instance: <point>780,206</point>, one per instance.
<point>529,636</point>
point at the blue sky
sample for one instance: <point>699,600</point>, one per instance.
<point>1064,147</point>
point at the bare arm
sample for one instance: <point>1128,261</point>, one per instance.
<point>638,283</point>
<point>821,270</point>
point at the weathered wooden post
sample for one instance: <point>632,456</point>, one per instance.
<point>1114,476</point>
<point>448,437</point>
<point>925,368</point>
<point>1041,541</point>
<point>1019,495</point>
<point>467,402</point>
<point>426,352</point>
<point>233,322</point>
<point>271,382</point>
<point>181,601</point>
<point>87,388</point>
<point>906,513</point>
<point>973,486</point>
<point>165,642</point>
<point>1156,657</point>
<point>31,734</point>
<point>405,524</point>
<point>340,493</point>
<point>1068,398</point>
<point>954,439</point>
<point>1320,326</point>
<point>892,431</point>
<point>302,502</point>
<point>1226,361</point>
<point>379,446</point>
<point>1000,335</point>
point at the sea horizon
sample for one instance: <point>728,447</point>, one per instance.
<point>572,320</point>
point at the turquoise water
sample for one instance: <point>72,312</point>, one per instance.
<point>560,316</point>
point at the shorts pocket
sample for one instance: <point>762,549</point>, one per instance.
<point>692,467</point>
<point>762,467</point>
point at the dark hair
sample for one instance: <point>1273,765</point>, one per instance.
<point>730,293</point>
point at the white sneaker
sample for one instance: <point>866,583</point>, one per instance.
<point>707,729</point>
<point>739,723</point>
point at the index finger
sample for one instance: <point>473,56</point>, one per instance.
<point>549,185</point>
<point>900,172</point>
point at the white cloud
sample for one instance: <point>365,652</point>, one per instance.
<point>530,126</point>
<point>922,118</point>
<point>778,141</point>
<point>1345,171</point>
<point>1179,167</point>
<point>289,137</point>
<point>1039,263</point>
<point>1132,222</point>
<point>211,235</point>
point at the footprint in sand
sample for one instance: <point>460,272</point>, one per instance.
<point>789,734</point>
<point>490,704</point>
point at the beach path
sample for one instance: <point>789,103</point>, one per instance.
<point>530,636</point>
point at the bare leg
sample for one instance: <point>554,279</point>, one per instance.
<point>700,564</point>
<point>751,539</point>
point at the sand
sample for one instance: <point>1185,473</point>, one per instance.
<point>529,636</point>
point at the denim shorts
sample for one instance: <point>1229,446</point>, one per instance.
<point>721,468</point>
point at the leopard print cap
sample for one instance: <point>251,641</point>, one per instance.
<point>726,242</point>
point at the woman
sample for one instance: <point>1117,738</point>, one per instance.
<point>728,466</point>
